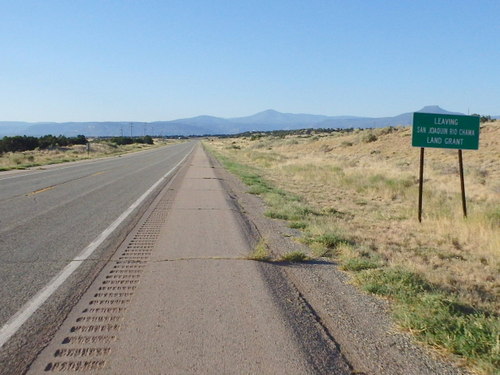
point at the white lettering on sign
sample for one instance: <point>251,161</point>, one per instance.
<point>421,129</point>
<point>453,141</point>
<point>467,132</point>
<point>445,121</point>
<point>438,131</point>
<point>435,140</point>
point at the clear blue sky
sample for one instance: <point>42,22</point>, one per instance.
<point>144,60</point>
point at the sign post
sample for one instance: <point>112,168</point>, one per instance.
<point>462,181</point>
<point>444,131</point>
<point>421,184</point>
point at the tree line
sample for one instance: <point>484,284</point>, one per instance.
<point>120,141</point>
<point>484,118</point>
<point>26,143</point>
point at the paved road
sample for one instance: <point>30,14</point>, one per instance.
<point>180,297</point>
<point>48,216</point>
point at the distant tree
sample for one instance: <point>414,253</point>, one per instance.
<point>24,143</point>
<point>47,141</point>
<point>62,141</point>
<point>19,143</point>
<point>120,141</point>
<point>483,118</point>
<point>79,140</point>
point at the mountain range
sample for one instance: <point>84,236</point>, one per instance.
<point>208,125</point>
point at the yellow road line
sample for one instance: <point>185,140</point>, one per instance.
<point>53,186</point>
<point>40,190</point>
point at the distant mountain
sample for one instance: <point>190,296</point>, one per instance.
<point>210,125</point>
<point>277,118</point>
<point>380,122</point>
<point>12,127</point>
<point>437,109</point>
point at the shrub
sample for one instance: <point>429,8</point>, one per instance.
<point>368,137</point>
<point>294,256</point>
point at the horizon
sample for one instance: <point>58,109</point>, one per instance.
<point>230,118</point>
<point>103,61</point>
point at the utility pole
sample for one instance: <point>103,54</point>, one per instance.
<point>131,127</point>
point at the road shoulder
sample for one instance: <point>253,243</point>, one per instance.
<point>359,323</point>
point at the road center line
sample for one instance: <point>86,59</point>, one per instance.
<point>40,190</point>
<point>29,308</point>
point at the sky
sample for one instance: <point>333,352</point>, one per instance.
<point>145,60</point>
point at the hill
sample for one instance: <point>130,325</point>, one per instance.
<point>209,125</point>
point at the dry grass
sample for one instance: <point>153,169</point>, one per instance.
<point>366,184</point>
<point>26,159</point>
<point>373,188</point>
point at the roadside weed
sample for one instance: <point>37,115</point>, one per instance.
<point>260,252</point>
<point>294,256</point>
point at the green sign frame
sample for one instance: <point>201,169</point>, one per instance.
<point>445,131</point>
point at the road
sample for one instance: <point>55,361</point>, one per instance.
<point>47,217</point>
<point>172,289</point>
<point>180,296</point>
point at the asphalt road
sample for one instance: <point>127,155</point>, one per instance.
<point>48,216</point>
<point>180,297</point>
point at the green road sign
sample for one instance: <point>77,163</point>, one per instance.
<point>445,131</point>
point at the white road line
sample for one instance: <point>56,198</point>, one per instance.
<point>18,319</point>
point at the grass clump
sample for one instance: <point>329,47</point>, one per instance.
<point>281,208</point>
<point>294,257</point>
<point>298,225</point>
<point>395,283</point>
<point>359,264</point>
<point>260,252</point>
<point>437,318</point>
<point>330,240</point>
<point>368,137</point>
<point>325,242</point>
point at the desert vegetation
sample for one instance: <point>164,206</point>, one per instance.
<point>353,196</point>
<point>26,143</point>
<point>22,152</point>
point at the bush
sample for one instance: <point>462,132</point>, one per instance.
<point>368,137</point>
<point>24,143</point>
<point>18,143</point>
<point>294,256</point>
<point>121,141</point>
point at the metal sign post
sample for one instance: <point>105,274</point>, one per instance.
<point>421,184</point>
<point>444,131</point>
<point>462,181</point>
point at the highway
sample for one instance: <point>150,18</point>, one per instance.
<point>48,216</point>
<point>139,265</point>
<point>180,297</point>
